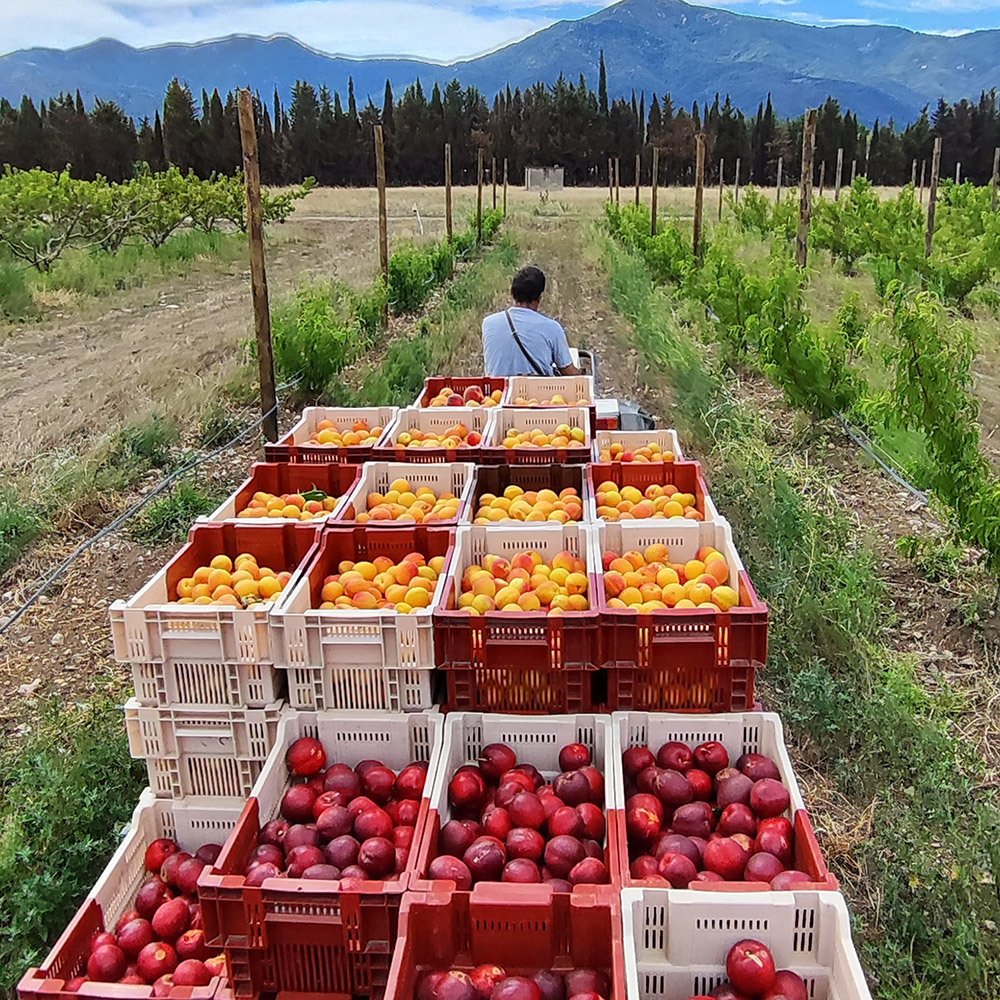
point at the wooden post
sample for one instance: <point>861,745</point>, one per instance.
<point>699,190</point>
<point>479,197</point>
<point>913,173</point>
<point>996,179</point>
<point>868,154</point>
<point>618,180</point>
<point>923,170</point>
<point>638,176</point>
<point>932,198</point>
<point>447,191</point>
<point>736,190</point>
<point>805,188</point>
<point>505,187</point>
<point>383,218</point>
<point>655,183</point>
<point>854,171</point>
<point>258,272</point>
<point>777,196</point>
<point>840,173</point>
<point>493,177</point>
<point>722,183</point>
<point>611,181</point>
<point>822,177</point>
<point>958,172</point>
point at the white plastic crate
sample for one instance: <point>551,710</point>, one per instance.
<point>178,682</point>
<point>438,420</point>
<point>682,537</point>
<point>577,390</point>
<point>676,940</point>
<point>738,732</point>
<point>441,477</point>
<point>665,438</point>
<point>192,826</point>
<point>202,753</point>
<point>376,660</point>
<point>545,418</point>
<point>343,417</point>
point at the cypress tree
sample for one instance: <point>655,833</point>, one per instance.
<point>602,88</point>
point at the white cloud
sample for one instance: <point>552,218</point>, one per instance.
<point>819,19</point>
<point>446,30</point>
<point>945,7</point>
<point>779,3</point>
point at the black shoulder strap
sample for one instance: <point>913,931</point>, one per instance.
<point>538,370</point>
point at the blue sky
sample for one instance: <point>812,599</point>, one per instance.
<point>443,30</point>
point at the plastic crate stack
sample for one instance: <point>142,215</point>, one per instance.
<point>222,692</point>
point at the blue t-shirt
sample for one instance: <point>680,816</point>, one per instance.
<point>543,338</point>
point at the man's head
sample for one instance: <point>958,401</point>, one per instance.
<point>527,287</point>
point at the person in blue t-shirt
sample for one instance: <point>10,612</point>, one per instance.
<point>520,340</point>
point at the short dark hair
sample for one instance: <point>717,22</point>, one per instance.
<point>528,285</point>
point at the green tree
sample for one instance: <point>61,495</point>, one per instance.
<point>181,131</point>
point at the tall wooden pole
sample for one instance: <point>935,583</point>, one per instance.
<point>505,186</point>
<point>479,197</point>
<point>258,272</point>
<point>777,196</point>
<point>854,171</point>
<point>805,188</point>
<point>913,173</point>
<point>840,173</point>
<point>736,190</point>
<point>868,154</point>
<point>932,198</point>
<point>958,172</point>
<point>638,177</point>
<point>996,179</point>
<point>822,177</point>
<point>611,180</point>
<point>618,180</point>
<point>493,178</point>
<point>923,172</point>
<point>655,182</point>
<point>699,190</point>
<point>383,216</point>
<point>447,191</point>
<point>722,183</point>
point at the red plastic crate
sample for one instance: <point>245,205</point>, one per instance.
<point>360,659</point>
<point>536,740</point>
<point>681,660</point>
<point>435,383</point>
<point>295,447</point>
<point>739,733</point>
<point>547,419</point>
<point>282,477</point>
<point>115,890</point>
<point>496,478</point>
<point>296,936</point>
<point>149,628</point>
<point>518,661</point>
<point>522,930</point>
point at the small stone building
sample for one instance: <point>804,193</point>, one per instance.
<point>543,179</point>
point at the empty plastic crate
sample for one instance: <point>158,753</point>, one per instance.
<point>686,476</point>
<point>522,930</point>
<point>676,941</point>
<point>442,477</point>
<point>519,661</point>
<point>296,447</point>
<point>283,477</point>
<point>739,733</point>
<point>496,478</point>
<point>304,936</point>
<point>536,740</point>
<point>630,440</point>
<point>459,383</point>
<point>436,420</point>
<point>681,659</point>
<point>211,753</point>
<point>152,628</point>
<point>192,826</point>
<point>545,419</point>
<point>378,659</point>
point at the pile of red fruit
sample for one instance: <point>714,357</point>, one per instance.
<point>340,823</point>
<point>490,982</point>
<point>690,817</point>
<point>752,976</point>
<point>160,942</point>
<point>509,825</point>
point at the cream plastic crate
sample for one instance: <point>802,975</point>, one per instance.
<point>202,753</point>
<point>343,418</point>
<point>545,419</point>
<point>676,940</point>
<point>375,660</point>
<point>437,420</point>
<point>738,732</point>
<point>682,537</point>
<point>442,477</point>
<point>176,683</point>
<point>577,390</point>
<point>666,439</point>
<point>192,826</point>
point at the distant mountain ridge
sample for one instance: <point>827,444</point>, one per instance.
<point>649,45</point>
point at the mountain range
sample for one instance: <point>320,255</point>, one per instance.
<point>655,46</point>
